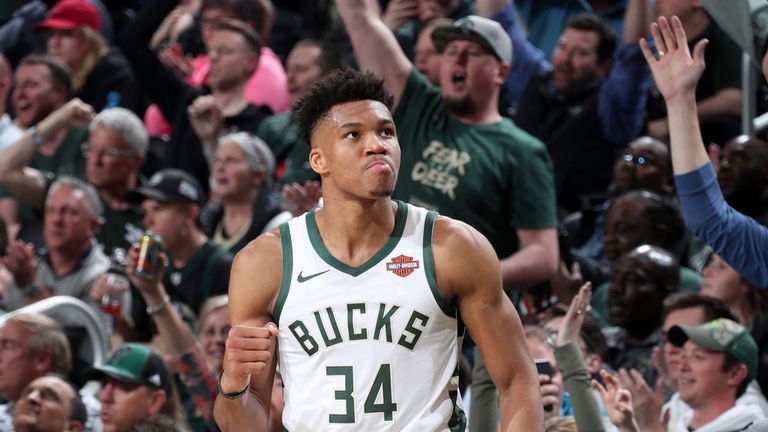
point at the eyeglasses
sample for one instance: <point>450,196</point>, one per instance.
<point>640,159</point>
<point>109,153</point>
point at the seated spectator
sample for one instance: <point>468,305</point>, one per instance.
<point>71,262</point>
<point>136,385</point>
<point>113,154</point>
<point>32,346</point>
<point>642,279</point>
<point>196,268</point>
<point>246,205</point>
<point>42,85</point>
<point>591,341</point>
<point>234,50</point>
<point>49,404</point>
<point>743,176</point>
<point>101,77</point>
<point>749,303</point>
<point>556,402</point>
<point>9,132</point>
<point>309,61</point>
<point>718,363</point>
<point>634,219</point>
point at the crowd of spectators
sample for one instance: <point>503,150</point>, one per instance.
<point>579,137</point>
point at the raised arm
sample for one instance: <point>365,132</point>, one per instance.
<point>28,184</point>
<point>468,272</point>
<point>375,46</point>
<point>251,347</point>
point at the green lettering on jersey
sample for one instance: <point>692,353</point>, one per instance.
<point>363,334</point>
<point>306,341</point>
<point>415,333</point>
<point>336,334</point>
<point>384,319</point>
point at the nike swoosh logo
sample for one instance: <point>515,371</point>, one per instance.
<point>301,278</point>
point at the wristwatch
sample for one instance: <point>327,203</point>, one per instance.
<point>37,138</point>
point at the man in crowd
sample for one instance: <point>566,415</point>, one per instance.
<point>197,121</point>
<point>136,385</point>
<point>9,132</point>
<point>33,346</point>
<point>49,404</point>
<point>113,154</point>
<point>459,156</point>
<point>42,85</point>
<point>71,262</point>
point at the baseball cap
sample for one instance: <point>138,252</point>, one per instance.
<point>721,335</point>
<point>484,31</point>
<point>135,363</point>
<point>170,185</point>
<point>68,14</point>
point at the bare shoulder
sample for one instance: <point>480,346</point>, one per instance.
<point>255,277</point>
<point>463,257</point>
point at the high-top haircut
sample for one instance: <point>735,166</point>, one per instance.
<point>606,44</point>
<point>336,89</point>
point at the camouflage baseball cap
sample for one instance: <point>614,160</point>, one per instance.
<point>721,335</point>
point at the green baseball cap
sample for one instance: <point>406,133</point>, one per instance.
<point>720,335</point>
<point>135,363</point>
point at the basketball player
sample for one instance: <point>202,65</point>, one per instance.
<point>366,297</point>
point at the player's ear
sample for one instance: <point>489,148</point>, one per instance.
<point>317,161</point>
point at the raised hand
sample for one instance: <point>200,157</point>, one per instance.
<point>617,402</point>
<point>299,199</point>
<point>20,261</point>
<point>675,71</point>
<point>206,119</point>
<point>574,318</point>
<point>646,402</point>
<point>399,12</point>
<point>248,352</point>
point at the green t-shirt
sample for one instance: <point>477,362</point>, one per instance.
<point>121,229</point>
<point>281,133</point>
<point>690,281</point>
<point>495,177</point>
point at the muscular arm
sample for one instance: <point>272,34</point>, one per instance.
<point>253,286</point>
<point>468,272</point>
<point>375,46</point>
<point>535,262</point>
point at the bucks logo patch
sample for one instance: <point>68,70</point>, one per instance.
<point>402,265</point>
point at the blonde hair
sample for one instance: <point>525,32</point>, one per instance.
<point>210,306</point>
<point>96,49</point>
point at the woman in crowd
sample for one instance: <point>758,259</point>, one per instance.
<point>246,203</point>
<point>101,77</point>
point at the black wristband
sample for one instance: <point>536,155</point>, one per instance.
<point>234,395</point>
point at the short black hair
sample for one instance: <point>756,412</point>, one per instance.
<point>662,215</point>
<point>336,89</point>
<point>713,308</point>
<point>61,74</point>
<point>606,44</point>
<point>329,59</point>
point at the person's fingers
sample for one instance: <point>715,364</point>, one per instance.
<point>625,380</point>
<point>576,271</point>
<point>677,32</point>
<point>698,51</point>
<point>639,381</point>
<point>649,57</point>
<point>670,42</point>
<point>658,391</point>
<point>658,39</point>
<point>599,388</point>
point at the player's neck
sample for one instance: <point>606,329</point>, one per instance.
<point>354,231</point>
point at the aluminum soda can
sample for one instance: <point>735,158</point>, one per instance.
<point>149,264</point>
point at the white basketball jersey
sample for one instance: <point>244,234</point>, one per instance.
<point>368,348</point>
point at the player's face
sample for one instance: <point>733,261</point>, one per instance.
<point>355,150</point>
<point>469,74</point>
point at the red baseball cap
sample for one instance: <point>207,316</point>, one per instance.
<point>69,14</point>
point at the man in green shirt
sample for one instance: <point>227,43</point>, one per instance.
<point>461,157</point>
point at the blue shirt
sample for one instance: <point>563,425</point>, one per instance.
<point>737,238</point>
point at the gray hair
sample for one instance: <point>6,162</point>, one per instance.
<point>258,152</point>
<point>45,336</point>
<point>127,124</point>
<point>92,201</point>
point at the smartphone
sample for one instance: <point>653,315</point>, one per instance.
<point>544,367</point>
